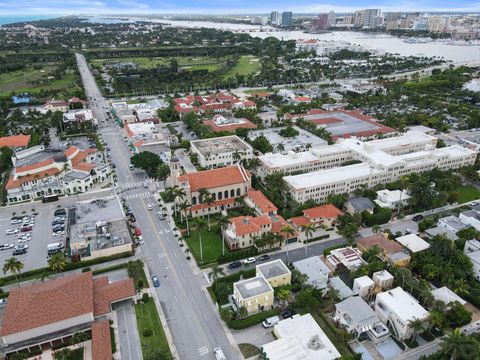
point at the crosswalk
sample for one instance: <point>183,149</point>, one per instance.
<point>137,195</point>
<point>133,185</point>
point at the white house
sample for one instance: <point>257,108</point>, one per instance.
<point>413,242</point>
<point>451,223</point>
<point>392,198</point>
<point>316,271</point>
<point>397,308</point>
<point>472,250</point>
<point>471,217</point>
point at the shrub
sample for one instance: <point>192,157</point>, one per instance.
<point>238,255</point>
<point>86,269</point>
<point>145,298</point>
<point>147,332</point>
<point>239,324</point>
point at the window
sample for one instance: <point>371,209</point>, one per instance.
<point>220,195</point>
<point>225,194</point>
<point>232,193</point>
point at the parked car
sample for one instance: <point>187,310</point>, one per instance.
<point>417,218</point>
<point>57,222</point>
<point>7,246</point>
<point>264,257</point>
<point>249,260</point>
<point>156,282</point>
<point>58,228</point>
<point>11,231</point>
<point>60,212</point>
<point>20,247</point>
<point>160,215</point>
<point>24,238</point>
<point>16,221</point>
<point>234,265</point>
<point>59,218</point>
<point>271,322</point>
<point>288,313</point>
<point>58,233</point>
<point>26,228</point>
<point>19,251</point>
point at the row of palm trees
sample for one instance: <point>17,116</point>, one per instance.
<point>12,265</point>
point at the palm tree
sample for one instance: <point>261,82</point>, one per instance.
<point>200,225</point>
<point>417,326</point>
<point>237,156</point>
<point>452,344</point>
<point>287,230</point>
<point>216,270</point>
<point>209,200</point>
<point>460,286</point>
<point>184,207</point>
<point>242,312</point>
<point>333,294</point>
<point>223,221</point>
<point>57,262</point>
<point>14,266</point>
<point>437,320</point>
<point>280,146</point>
<point>178,193</point>
<point>308,230</point>
<point>375,229</point>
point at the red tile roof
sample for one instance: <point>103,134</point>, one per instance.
<point>87,167</point>
<point>14,141</point>
<point>101,341</point>
<point>277,223</point>
<point>261,201</point>
<point>77,159</point>
<point>302,99</point>
<point>299,221</point>
<point>40,304</point>
<point>324,211</point>
<point>70,151</point>
<point>245,225</point>
<point>12,183</point>
<point>387,245</point>
<point>22,169</point>
<point>211,179</point>
<point>247,124</point>
<point>328,120</point>
<point>106,294</point>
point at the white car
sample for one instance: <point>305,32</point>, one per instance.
<point>11,231</point>
<point>20,247</point>
<point>219,355</point>
<point>149,207</point>
<point>58,233</point>
<point>16,221</point>
<point>21,240</point>
<point>249,260</point>
<point>25,236</point>
<point>6,246</point>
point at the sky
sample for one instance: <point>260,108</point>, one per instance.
<point>126,7</point>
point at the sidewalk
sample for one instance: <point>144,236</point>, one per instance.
<point>71,272</point>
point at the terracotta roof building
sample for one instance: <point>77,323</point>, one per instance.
<point>260,203</point>
<point>57,308</point>
<point>390,250</point>
<point>324,215</point>
<point>224,185</point>
<point>14,141</point>
<point>101,341</point>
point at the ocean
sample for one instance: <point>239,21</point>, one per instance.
<point>9,19</point>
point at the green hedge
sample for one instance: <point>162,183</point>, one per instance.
<point>328,250</point>
<point>110,268</point>
<point>238,255</point>
<point>252,320</point>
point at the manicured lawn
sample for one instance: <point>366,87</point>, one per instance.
<point>209,67</point>
<point>19,81</point>
<point>249,350</point>
<point>147,318</point>
<point>211,244</point>
<point>246,65</point>
<point>467,193</point>
<point>196,63</point>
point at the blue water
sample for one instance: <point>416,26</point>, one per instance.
<point>9,19</point>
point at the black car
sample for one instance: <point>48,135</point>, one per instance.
<point>264,257</point>
<point>418,218</point>
<point>60,212</point>
<point>58,228</point>
<point>288,313</point>
<point>234,265</point>
<point>57,222</point>
<point>19,251</point>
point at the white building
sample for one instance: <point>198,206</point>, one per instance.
<point>413,242</point>
<point>447,296</point>
<point>221,151</point>
<point>316,271</point>
<point>80,115</point>
<point>451,223</point>
<point>300,337</point>
<point>471,217</point>
<point>392,198</point>
<point>472,250</point>
<point>397,308</point>
<point>383,279</point>
<point>382,161</point>
<point>349,257</point>
<point>362,286</point>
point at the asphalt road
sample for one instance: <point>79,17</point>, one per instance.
<point>185,161</point>
<point>127,329</point>
<point>193,320</point>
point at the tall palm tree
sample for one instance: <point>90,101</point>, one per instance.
<point>216,270</point>
<point>452,344</point>
<point>14,266</point>
<point>223,221</point>
<point>287,230</point>
<point>199,226</point>
<point>237,156</point>
<point>308,230</point>
<point>208,199</point>
<point>460,286</point>
<point>437,320</point>
<point>178,193</point>
<point>57,262</point>
<point>417,326</point>
<point>184,207</point>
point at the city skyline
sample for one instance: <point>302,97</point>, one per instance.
<point>56,7</point>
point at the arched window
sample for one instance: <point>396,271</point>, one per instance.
<point>232,193</point>
<point>225,194</point>
<point>238,192</point>
<point>214,197</point>
<point>194,200</point>
<point>220,195</point>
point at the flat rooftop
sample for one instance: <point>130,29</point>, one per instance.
<point>295,143</point>
<point>312,267</point>
<point>221,145</point>
<point>103,209</point>
<point>273,269</point>
<point>40,156</point>
<point>404,304</point>
<point>252,287</point>
<point>413,242</point>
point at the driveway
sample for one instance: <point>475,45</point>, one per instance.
<point>401,226</point>
<point>256,335</point>
<point>185,161</point>
<point>128,331</point>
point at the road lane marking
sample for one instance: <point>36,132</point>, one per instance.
<point>202,351</point>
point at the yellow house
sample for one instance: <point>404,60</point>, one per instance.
<point>275,272</point>
<point>254,294</point>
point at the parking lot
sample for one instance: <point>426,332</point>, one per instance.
<point>40,236</point>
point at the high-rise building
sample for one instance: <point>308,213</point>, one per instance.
<point>359,18</point>
<point>321,22</point>
<point>287,18</point>
<point>275,18</point>
<point>331,19</point>
<point>371,18</point>
<point>437,23</point>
